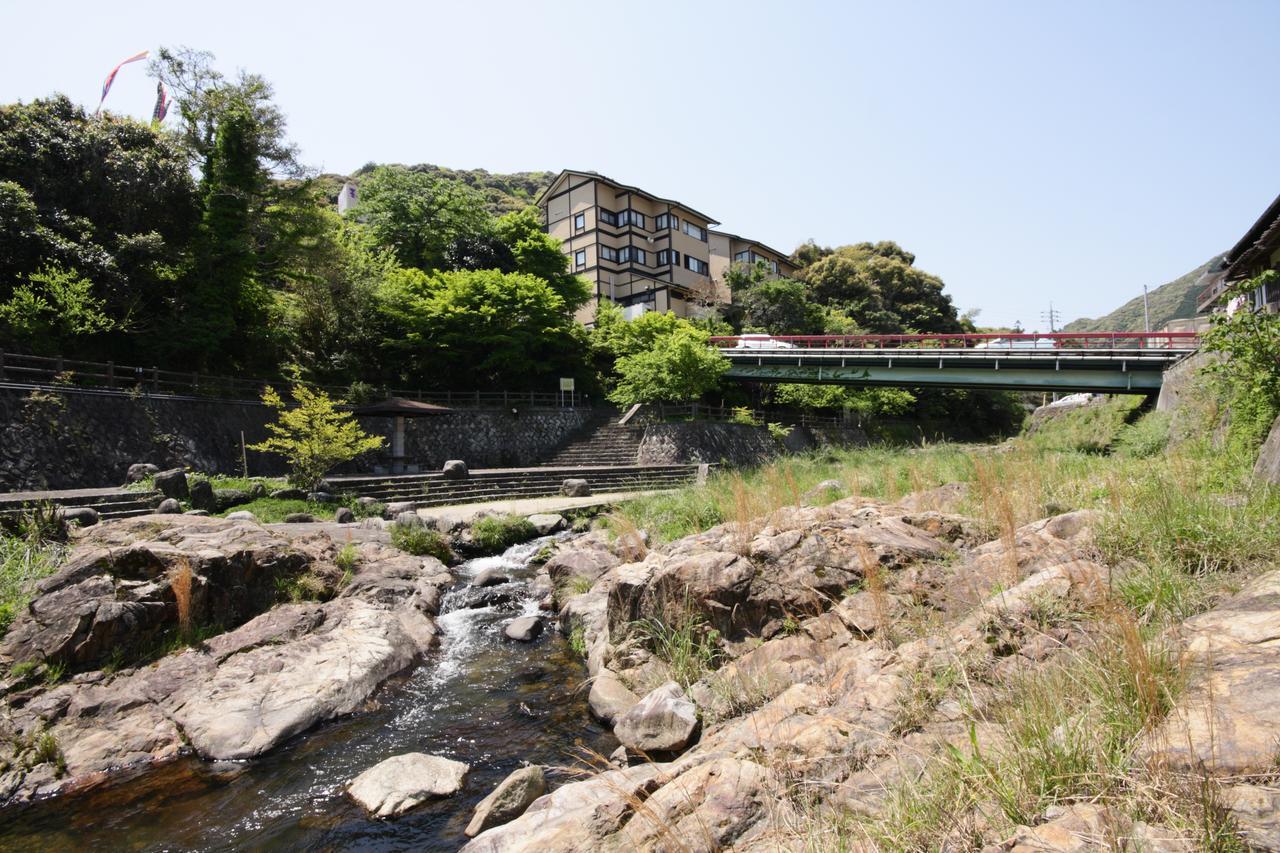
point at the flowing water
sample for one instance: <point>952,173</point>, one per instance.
<point>479,699</point>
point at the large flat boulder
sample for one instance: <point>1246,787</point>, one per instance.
<point>1227,721</point>
<point>403,782</point>
<point>258,699</point>
<point>238,693</point>
<point>116,592</point>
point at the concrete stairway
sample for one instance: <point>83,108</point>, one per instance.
<point>606,443</point>
<point>109,502</point>
<point>511,483</point>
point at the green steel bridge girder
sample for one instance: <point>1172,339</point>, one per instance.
<point>1109,380</point>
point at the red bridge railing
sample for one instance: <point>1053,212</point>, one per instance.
<point>993,342</point>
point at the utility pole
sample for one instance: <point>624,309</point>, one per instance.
<point>1051,317</point>
<point>1146,311</point>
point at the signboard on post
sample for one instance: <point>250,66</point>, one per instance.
<point>566,385</point>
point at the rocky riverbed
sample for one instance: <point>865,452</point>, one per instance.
<point>810,687</point>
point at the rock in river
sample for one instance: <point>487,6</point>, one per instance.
<point>402,782</point>
<point>526,629</point>
<point>663,721</point>
<point>509,800</point>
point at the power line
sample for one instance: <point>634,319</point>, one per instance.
<point>1052,316</point>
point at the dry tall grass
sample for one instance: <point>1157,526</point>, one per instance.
<point>181,580</point>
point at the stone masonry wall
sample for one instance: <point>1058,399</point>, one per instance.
<point>736,445</point>
<point>483,438</point>
<point>76,439</point>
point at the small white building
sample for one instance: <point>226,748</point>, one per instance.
<point>347,197</point>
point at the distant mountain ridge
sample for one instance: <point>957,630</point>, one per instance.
<point>1172,301</point>
<point>502,193</point>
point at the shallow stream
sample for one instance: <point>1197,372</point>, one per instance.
<point>492,703</point>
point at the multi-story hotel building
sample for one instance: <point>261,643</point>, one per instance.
<point>643,251</point>
<point>730,249</point>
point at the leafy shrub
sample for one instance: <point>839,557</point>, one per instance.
<point>779,432</point>
<point>495,533</point>
<point>421,542</point>
<point>313,436</point>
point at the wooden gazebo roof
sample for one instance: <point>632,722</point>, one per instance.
<point>399,406</point>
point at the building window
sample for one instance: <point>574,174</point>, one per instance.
<point>743,257</point>
<point>608,216</point>
<point>580,222</point>
<point>580,258</point>
<point>698,266</point>
<point>633,254</point>
<point>697,232</point>
<point>666,220</point>
<point>632,217</point>
<point>773,267</point>
<point>668,257</point>
<point>608,253</point>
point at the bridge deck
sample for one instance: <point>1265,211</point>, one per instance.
<point>1108,363</point>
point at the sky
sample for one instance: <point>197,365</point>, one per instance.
<point>1028,153</point>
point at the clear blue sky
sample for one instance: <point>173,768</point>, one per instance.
<point>1025,151</point>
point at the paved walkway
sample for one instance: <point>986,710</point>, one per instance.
<point>527,506</point>
<point>464,513</point>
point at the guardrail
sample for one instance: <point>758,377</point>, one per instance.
<point>987,341</point>
<point>57,372</point>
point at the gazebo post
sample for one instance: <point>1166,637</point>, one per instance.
<point>397,446</point>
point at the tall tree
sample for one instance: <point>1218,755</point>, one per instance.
<point>105,197</point>
<point>879,287</point>
<point>419,216</point>
<point>482,328</point>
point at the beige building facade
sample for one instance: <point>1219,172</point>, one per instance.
<point>728,250</point>
<point>642,251</point>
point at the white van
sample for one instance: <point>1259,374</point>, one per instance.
<point>762,342</point>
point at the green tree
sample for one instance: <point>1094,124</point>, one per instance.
<point>206,99</point>
<point>105,196</point>
<point>52,312</point>
<point>419,216</point>
<point>679,367</point>
<point>225,299</point>
<point>313,436</point>
<point>877,285</point>
<point>479,328</point>
<point>536,252</point>
<point>866,402</point>
<point>780,307</point>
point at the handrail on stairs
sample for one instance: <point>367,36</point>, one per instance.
<point>622,421</point>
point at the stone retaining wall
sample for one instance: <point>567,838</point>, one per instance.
<point>75,439</point>
<point>736,445</point>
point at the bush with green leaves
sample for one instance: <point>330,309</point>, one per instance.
<point>678,368</point>
<point>314,435</point>
<point>1251,369</point>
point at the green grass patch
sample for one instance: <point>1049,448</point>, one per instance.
<point>496,533</point>
<point>23,561</point>
<point>1094,428</point>
<point>421,542</point>
<point>274,510</point>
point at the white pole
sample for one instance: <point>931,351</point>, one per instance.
<point>1146,310</point>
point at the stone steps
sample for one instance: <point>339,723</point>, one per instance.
<point>110,503</point>
<point>606,444</point>
<point>434,490</point>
